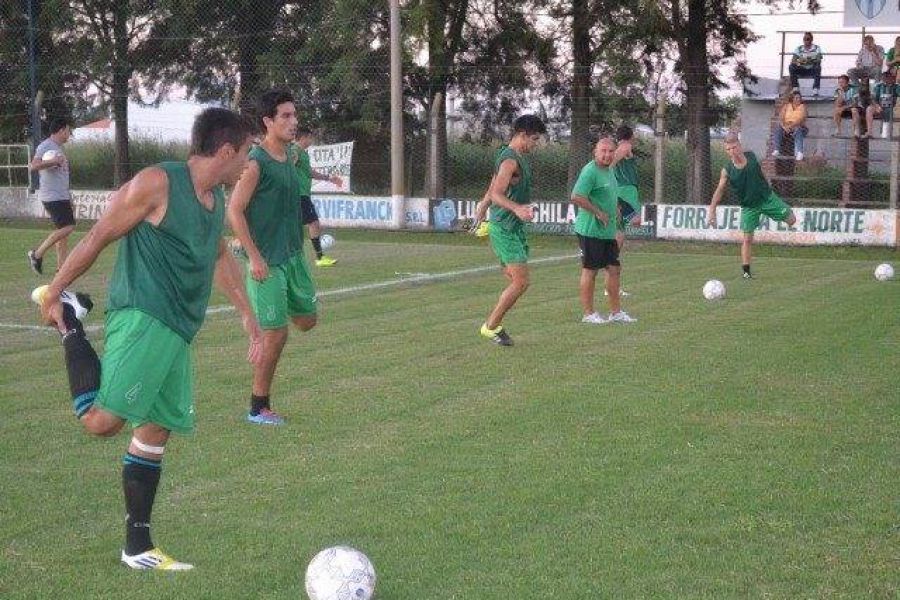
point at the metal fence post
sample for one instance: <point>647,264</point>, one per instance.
<point>659,151</point>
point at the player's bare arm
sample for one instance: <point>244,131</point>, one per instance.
<point>229,279</point>
<point>622,152</point>
<point>144,198</point>
<point>240,199</point>
<point>335,179</point>
<point>584,204</point>
<point>498,188</point>
<point>717,198</point>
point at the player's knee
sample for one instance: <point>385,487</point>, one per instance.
<point>101,424</point>
<point>68,229</point>
<point>305,323</point>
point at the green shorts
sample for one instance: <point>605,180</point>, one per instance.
<point>773,207</point>
<point>146,374</point>
<point>628,196</point>
<point>511,247</point>
<point>287,292</point>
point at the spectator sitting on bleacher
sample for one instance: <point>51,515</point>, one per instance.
<point>868,61</point>
<point>807,62</point>
<point>892,60</point>
<point>884,98</point>
<point>792,123</point>
<point>844,98</point>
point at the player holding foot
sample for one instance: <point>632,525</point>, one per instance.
<point>510,196</point>
<point>308,214</point>
<point>629,204</point>
<point>596,194</point>
<point>745,177</point>
<point>265,216</point>
<point>169,220</point>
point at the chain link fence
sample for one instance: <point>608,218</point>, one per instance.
<point>135,65</point>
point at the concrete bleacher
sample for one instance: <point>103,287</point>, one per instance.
<point>864,163</point>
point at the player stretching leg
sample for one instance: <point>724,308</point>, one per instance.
<point>745,177</point>
<point>510,195</point>
<point>629,203</point>
<point>169,221</point>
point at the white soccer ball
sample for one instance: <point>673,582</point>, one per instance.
<point>327,241</point>
<point>714,290</point>
<point>884,271</point>
<point>49,155</point>
<point>340,573</point>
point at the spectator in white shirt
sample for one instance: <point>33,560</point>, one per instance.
<point>868,62</point>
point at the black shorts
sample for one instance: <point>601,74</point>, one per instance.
<point>308,212</point>
<point>60,212</point>
<point>846,113</point>
<point>598,254</point>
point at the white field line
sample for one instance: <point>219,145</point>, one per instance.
<point>402,279</point>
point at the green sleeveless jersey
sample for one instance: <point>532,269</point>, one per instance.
<point>304,170</point>
<point>626,171</point>
<point>167,270</point>
<point>274,210</point>
<point>519,192</point>
<point>748,183</point>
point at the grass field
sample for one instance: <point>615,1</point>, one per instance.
<point>742,449</point>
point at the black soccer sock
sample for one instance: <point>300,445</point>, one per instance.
<point>257,403</point>
<point>83,367</point>
<point>140,478</point>
<point>746,269</point>
<point>317,246</point>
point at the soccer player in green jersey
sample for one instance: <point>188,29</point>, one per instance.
<point>596,194</point>
<point>264,214</point>
<point>745,177</point>
<point>169,220</point>
<point>308,215</point>
<point>629,204</point>
<point>510,197</point>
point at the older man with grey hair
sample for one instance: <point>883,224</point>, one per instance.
<point>868,62</point>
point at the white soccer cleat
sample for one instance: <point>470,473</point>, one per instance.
<point>154,559</point>
<point>621,317</point>
<point>594,318</point>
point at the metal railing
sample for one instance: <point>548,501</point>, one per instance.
<point>14,165</point>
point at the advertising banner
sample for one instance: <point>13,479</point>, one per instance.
<point>871,13</point>
<point>814,226</point>
<point>331,159</point>
<point>549,217</point>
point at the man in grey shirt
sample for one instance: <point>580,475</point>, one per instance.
<point>53,170</point>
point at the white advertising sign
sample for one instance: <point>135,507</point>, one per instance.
<point>871,13</point>
<point>814,226</point>
<point>331,159</point>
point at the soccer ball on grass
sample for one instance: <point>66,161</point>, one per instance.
<point>340,573</point>
<point>884,271</point>
<point>714,290</point>
<point>327,241</point>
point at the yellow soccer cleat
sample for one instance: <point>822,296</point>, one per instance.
<point>326,261</point>
<point>155,560</point>
<point>483,230</point>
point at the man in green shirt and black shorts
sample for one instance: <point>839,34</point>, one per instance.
<point>745,177</point>
<point>168,220</point>
<point>510,198</point>
<point>596,194</point>
<point>264,214</point>
<point>308,215</point>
